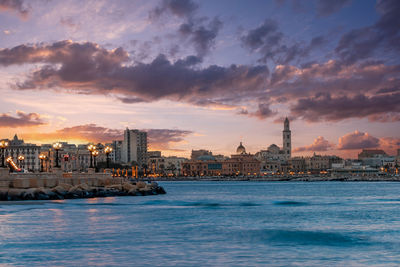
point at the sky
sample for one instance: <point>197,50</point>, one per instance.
<point>203,74</point>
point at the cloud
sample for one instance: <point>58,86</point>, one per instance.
<point>330,91</point>
<point>69,22</point>
<point>263,111</point>
<point>87,68</point>
<point>85,133</point>
<point>200,32</point>
<point>84,56</point>
<point>163,139</point>
<point>15,6</point>
<point>271,44</point>
<point>357,140</point>
<point>361,43</point>
<point>323,107</point>
<point>202,37</point>
<point>319,144</point>
<point>390,144</point>
<point>328,7</point>
<point>180,8</point>
<point>360,140</point>
<point>21,120</point>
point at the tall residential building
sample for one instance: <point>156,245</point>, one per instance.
<point>287,139</point>
<point>116,153</point>
<point>134,147</point>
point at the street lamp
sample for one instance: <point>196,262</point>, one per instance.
<point>3,145</point>
<point>57,146</point>
<point>108,150</point>
<point>20,159</point>
<point>91,148</point>
<point>95,153</point>
<point>42,157</point>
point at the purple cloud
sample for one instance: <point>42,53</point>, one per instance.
<point>21,120</point>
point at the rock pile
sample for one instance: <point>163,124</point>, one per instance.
<point>67,191</point>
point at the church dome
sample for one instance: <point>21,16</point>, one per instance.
<point>240,149</point>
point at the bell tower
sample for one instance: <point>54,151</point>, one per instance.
<point>287,139</point>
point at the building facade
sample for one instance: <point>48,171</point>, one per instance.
<point>134,147</point>
<point>198,153</point>
<point>287,139</point>
<point>239,164</point>
<point>275,159</point>
<point>17,147</point>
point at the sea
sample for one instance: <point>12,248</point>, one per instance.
<point>211,224</point>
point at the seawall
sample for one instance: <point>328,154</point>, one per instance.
<point>59,185</point>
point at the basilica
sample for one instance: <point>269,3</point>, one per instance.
<point>274,152</point>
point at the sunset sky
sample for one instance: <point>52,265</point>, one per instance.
<point>203,74</point>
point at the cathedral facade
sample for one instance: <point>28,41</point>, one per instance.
<point>274,152</point>
<point>274,157</point>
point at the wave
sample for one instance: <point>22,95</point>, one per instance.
<point>204,204</point>
<point>301,237</point>
<point>290,203</point>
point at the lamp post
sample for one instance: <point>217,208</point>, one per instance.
<point>91,148</point>
<point>95,153</point>
<point>20,160</point>
<point>3,145</point>
<point>42,157</point>
<point>108,150</point>
<point>57,146</point>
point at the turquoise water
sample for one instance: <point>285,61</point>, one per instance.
<point>211,224</point>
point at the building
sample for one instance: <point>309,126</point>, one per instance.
<point>116,153</point>
<point>134,147</point>
<point>239,164</point>
<point>72,158</point>
<point>17,147</point>
<point>174,165</point>
<point>371,153</point>
<point>377,158</point>
<point>198,153</point>
<point>155,163</point>
<point>352,168</point>
<point>320,163</point>
<point>297,165</point>
<point>273,158</point>
<point>164,166</point>
<point>287,139</point>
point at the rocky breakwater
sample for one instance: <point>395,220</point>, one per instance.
<point>83,190</point>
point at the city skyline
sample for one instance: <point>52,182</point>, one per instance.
<point>196,75</point>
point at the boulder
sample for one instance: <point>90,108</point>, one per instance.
<point>160,190</point>
<point>132,192</point>
<point>84,187</point>
<point>128,186</point>
<point>3,194</point>
<point>59,190</point>
<point>114,186</point>
<point>140,185</point>
<point>65,186</point>
<point>14,194</point>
